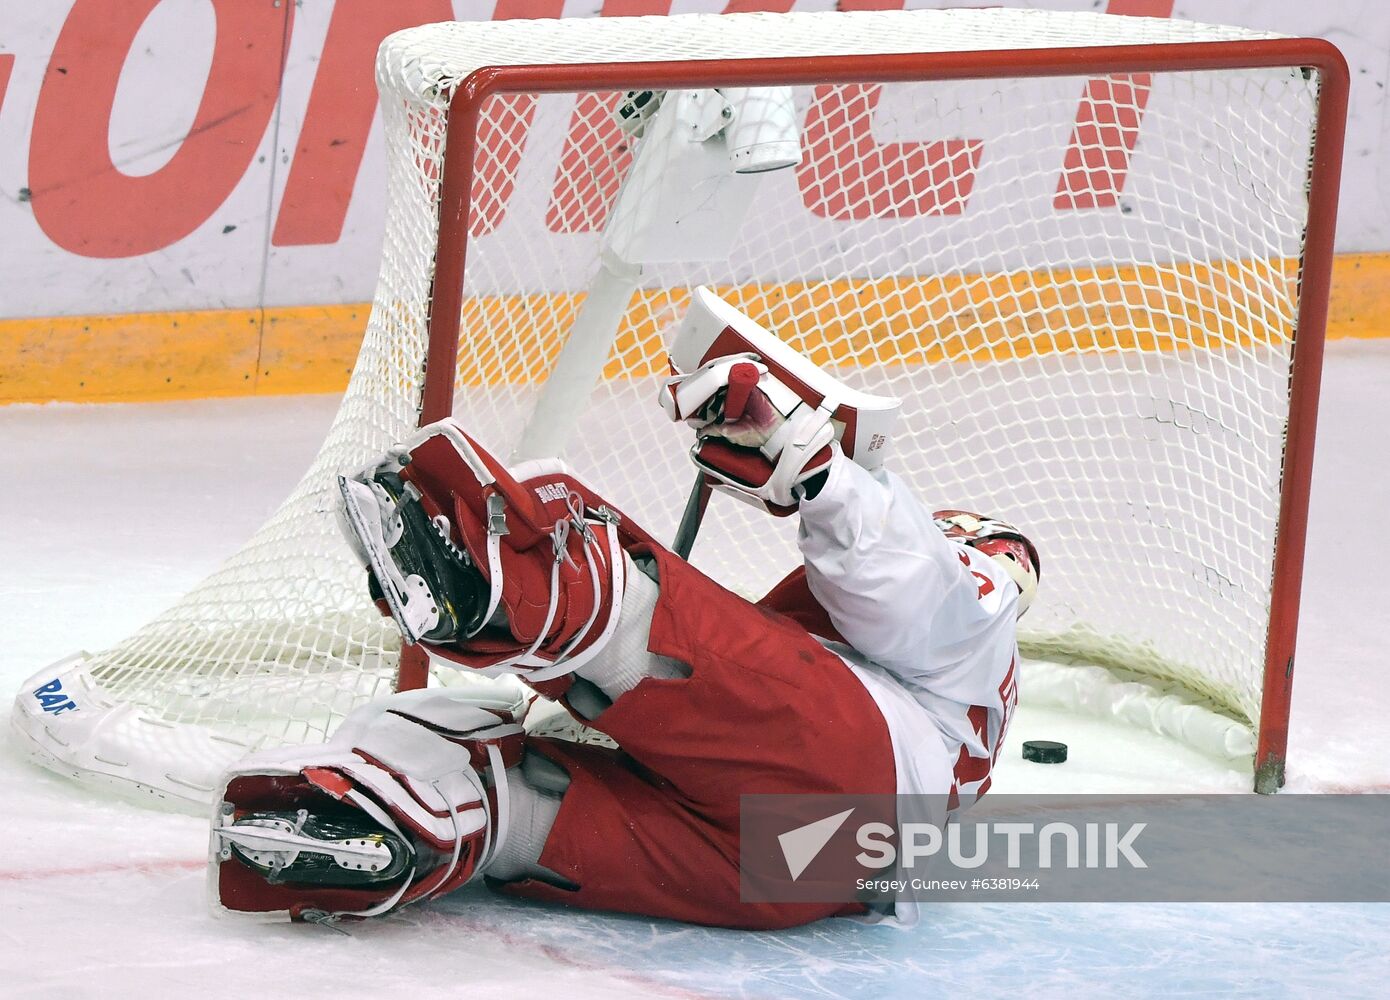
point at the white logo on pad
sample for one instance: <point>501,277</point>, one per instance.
<point>552,491</point>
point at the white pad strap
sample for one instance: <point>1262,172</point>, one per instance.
<point>685,396</point>
<point>381,816</point>
<point>496,528</point>
<point>503,821</point>
<point>565,663</point>
<point>792,447</point>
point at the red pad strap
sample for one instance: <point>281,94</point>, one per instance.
<point>328,781</point>
<point>746,465</point>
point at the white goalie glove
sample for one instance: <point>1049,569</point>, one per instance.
<point>765,418</point>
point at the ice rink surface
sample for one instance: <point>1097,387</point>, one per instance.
<point>112,512</point>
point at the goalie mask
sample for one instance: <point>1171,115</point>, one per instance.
<point>1002,542</point>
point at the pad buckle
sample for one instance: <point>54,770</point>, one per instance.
<point>497,515</point>
<point>607,515</point>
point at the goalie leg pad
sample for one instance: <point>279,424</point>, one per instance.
<point>407,801</point>
<point>535,554</point>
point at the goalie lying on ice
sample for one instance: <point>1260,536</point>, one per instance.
<point>884,663</point>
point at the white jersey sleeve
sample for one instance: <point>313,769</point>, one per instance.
<point>936,616</point>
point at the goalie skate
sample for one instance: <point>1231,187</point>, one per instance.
<point>406,801</point>
<point>430,585</point>
<point>332,850</point>
<point>501,570</point>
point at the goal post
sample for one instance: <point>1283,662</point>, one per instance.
<point>1091,253</point>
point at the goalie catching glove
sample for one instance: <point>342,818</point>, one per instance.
<point>765,419</point>
<point>407,801</point>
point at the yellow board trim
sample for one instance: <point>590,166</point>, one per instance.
<point>305,349</point>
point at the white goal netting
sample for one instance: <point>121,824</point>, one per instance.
<point>1083,287</point>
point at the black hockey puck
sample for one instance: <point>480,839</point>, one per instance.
<point>1044,752</point>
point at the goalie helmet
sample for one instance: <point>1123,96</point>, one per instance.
<point>1002,542</point>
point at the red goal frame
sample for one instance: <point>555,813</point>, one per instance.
<point>1309,54</point>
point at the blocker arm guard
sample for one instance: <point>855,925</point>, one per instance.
<point>766,418</point>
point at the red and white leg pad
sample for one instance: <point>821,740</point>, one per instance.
<point>426,768</point>
<point>548,546</point>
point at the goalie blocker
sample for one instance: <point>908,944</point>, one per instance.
<point>766,419</point>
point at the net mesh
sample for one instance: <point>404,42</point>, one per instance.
<point>1084,290</point>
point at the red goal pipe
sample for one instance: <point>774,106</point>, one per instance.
<point>1305,384</point>
<point>1314,279</point>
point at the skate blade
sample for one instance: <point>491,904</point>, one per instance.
<point>275,846</point>
<point>415,618</point>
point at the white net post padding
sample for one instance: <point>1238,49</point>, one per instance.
<point>1085,289</point>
